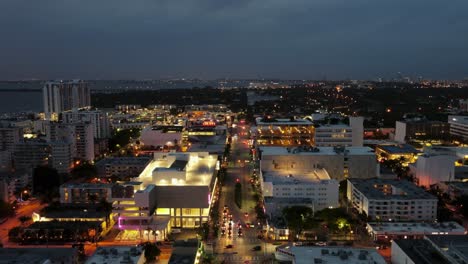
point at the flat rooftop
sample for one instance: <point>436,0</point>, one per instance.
<point>314,151</point>
<point>199,168</point>
<point>124,160</point>
<point>37,255</point>
<point>419,228</point>
<point>396,189</point>
<point>87,185</point>
<point>399,149</point>
<point>282,121</point>
<point>453,246</point>
<point>118,254</point>
<point>421,251</point>
<point>335,255</point>
<point>296,177</point>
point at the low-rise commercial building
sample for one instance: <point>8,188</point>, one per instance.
<point>336,255</point>
<point>39,255</point>
<point>391,200</point>
<point>458,126</point>
<point>397,152</point>
<point>388,231</point>
<point>284,132</point>
<point>420,128</point>
<point>340,163</point>
<point>118,254</point>
<point>158,136</point>
<point>432,249</point>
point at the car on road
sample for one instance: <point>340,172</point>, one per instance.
<point>246,214</point>
<point>239,233</point>
<point>321,244</point>
<point>257,248</point>
<point>229,246</point>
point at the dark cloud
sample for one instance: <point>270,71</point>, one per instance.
<point>232,38</point>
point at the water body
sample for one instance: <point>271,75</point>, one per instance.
<point>21,101</point>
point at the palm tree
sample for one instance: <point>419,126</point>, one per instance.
<point>105,206</point>
<point>148,229</point>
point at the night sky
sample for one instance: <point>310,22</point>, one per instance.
<point>288,39</point>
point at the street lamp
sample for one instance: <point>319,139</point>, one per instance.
<point>21,194</point>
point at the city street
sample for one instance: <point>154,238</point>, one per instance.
<point>23,210</point>
<point>240,170</point>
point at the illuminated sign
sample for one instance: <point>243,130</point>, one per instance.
<point>209,123</point>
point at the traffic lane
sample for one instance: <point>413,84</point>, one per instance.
<point>24,210</point>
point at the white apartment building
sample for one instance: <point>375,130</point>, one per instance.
<point>84,141</point>
<point>314,189</point>
<point>60,96</point>
<point>80,135</point>
<point>458,125</point>
<point>329,135</point>
<point>391,200</point>
<point>339,162</point>
<point>96,117</point>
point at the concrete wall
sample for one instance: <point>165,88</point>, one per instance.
<point>433,169</point>
<point>399,256</point>
<point>182,196</point>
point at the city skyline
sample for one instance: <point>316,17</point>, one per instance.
<point>233,39</point>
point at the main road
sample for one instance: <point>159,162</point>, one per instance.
<point>25,209</point>
<point>240,170</point>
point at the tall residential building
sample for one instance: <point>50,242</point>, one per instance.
<point>61,156</point>
<point>96,117</point>
<point>30,154</point>
<point>60,96</point>
<point>80,135</point>
<point>84,136</point>
<point>9,137</point>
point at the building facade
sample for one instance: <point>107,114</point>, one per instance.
<point>340,163</point>
<point>60,96</point>
<point>458,126</point>
<point>414,129</point>
<point>391,200</point>
<point>98,118</point>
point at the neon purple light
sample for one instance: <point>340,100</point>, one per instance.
<point>209,199</point>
